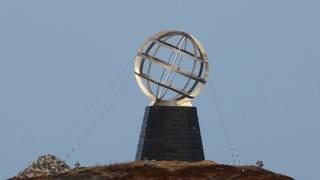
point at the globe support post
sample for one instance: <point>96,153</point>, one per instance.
<point>170,133</point>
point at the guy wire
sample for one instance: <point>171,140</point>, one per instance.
<point>109,108</point>
<point>233,149</point>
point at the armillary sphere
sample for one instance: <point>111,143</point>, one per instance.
<point>171,68</point>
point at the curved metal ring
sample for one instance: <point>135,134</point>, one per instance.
<point>184,95</point>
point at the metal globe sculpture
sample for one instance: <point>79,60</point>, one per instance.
<point>171,68</point>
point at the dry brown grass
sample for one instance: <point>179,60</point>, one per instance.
<point>163,170</point>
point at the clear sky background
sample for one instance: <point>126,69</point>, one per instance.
<point>66,77</point>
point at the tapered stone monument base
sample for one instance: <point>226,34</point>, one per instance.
<point>170,133</point>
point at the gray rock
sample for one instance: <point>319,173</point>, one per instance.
<point>43,166</point>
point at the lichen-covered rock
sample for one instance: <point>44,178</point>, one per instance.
<point>45,165</point>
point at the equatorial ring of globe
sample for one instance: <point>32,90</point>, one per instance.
<point>171,68</point>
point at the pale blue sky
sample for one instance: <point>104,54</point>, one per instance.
<point>59,61</point>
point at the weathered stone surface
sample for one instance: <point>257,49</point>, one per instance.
<point>170,133</point>
<point>44,165</point>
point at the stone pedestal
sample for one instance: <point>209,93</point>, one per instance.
<point>170,133</point>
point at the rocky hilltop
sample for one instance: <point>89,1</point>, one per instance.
<point>140,170</point>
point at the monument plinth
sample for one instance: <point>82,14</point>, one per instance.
<point>170,133</point>
<point>171,68</point>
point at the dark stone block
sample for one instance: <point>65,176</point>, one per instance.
<point>170,133</point>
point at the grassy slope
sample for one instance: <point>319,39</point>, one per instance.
<point>162,170</point>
